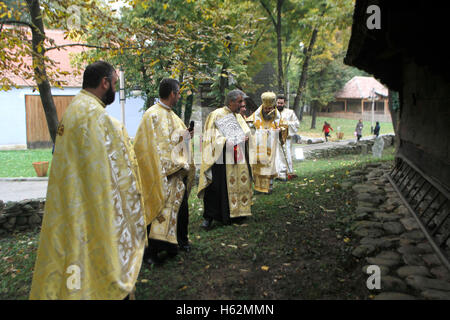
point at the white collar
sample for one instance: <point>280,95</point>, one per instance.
<point>164,105</point>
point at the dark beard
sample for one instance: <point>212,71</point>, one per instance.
<point>280,108</point>
<point>267,117</point>
<point>109,96</point>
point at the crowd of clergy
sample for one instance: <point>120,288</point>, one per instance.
<point>113,203</point>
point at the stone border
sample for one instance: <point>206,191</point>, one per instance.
<point>390,238</point>
<point>352,147</point>
<point>20,215</point>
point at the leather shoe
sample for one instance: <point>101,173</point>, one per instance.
<point>206,224</point>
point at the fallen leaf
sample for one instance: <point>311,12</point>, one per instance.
<point>144,280</point>
<point>183,288</point>
<point>265,268</point>
<point>346,240</point>
<point>207,267</point>
<point>233,246</point>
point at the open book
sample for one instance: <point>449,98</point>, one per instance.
<point>230,129</point>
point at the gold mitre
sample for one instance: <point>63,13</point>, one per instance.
<point>268,99</point>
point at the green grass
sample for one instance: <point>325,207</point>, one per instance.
<point>304,249</point>
<point>18,163</point>
<point>347,127</point>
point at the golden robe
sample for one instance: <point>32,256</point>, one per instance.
<point>263,147</point>
<point>162,128</point>
<point>93,231</point>
<point>239,185</point>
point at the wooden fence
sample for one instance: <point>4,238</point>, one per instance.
<point>38,135</point>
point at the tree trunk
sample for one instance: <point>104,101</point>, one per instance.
<point>188,109</point>
<point>314,114</point>
<point>145,77</point>
<point>277,25</point>
<point>303,76</point>
<point>38,37</point>
<point>279,48</point>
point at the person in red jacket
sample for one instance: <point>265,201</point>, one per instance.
<point>326,129</point>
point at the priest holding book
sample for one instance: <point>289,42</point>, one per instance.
<point>225,183</point>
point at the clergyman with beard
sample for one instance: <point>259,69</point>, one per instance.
<point>284,153</point>
<point>93,232</point>
<point>265,122</point>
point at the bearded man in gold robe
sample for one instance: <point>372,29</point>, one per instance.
<point>161,126</point>
<point>225,174</point>
<point>284,153</point>
<point>265,124</point>
<point>93,232</point>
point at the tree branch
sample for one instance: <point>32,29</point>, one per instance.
<point>89,46</point>
<point>16,22</point>
<point>269,12</point>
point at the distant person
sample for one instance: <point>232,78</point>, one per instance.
<point>376,131</point>
<point>243,112</point>
<point>93,232</point>
<point>284,153</point>
<point>326,130</point>
<point>358,129</point>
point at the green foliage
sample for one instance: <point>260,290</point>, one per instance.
<point>193,41</point>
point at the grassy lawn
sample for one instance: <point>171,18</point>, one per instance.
<point>296,245</point>
<point>18,163</point>
<point>347,127</point>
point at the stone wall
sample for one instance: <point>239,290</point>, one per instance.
<point>21,215</point>
<point>361,147</point>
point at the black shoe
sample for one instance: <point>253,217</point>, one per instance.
<point>206,224</point>
<point>185,247</point>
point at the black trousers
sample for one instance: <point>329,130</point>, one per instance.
<point>215,198</point>
<point>156,246</point>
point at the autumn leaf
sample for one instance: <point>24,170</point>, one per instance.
<point>265,268</point>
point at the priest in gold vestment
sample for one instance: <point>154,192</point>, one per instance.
<point>265,124</point>
<point>93,231</point>
<point>225,175</point>
<point>284,153</point>
<point>160,126</point>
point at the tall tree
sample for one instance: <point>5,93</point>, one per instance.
<point>22,36</point>
<point>277,25</point>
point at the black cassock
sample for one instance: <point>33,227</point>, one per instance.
<point>215,198</point>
